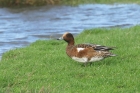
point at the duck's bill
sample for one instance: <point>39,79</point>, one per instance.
<point>60,38</point>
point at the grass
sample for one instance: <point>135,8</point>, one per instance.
<point>44,67</point>
<point>76,2</point>
<point>19,3</point>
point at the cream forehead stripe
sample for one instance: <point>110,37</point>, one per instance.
<point>65,34</point>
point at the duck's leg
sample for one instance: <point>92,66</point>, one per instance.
<point>84,64</point>
<point>90,63</point>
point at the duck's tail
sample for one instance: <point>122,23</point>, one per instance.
<point>108,54</point>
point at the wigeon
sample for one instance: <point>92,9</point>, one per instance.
<point>85,53</point>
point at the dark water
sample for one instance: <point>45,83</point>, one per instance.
<point>22,26</point>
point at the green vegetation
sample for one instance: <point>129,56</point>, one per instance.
<point>76,2</point>
<point>44,67</point>
<point>12,3</point>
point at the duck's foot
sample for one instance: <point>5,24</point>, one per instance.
<point>90,63</point>
<point>85,64</point>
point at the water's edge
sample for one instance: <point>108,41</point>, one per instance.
<point>22,26</point>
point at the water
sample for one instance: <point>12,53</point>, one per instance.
<point>22,26</point>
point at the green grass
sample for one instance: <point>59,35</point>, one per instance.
<point>44,67</point>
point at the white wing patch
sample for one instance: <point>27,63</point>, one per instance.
<point>79,49</point>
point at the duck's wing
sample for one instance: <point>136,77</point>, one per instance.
<point>95,47</point>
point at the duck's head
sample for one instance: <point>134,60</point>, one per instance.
<point>68,37</point>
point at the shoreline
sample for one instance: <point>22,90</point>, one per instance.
<point>27,3</point>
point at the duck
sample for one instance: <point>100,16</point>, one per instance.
<point>86,52</point>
